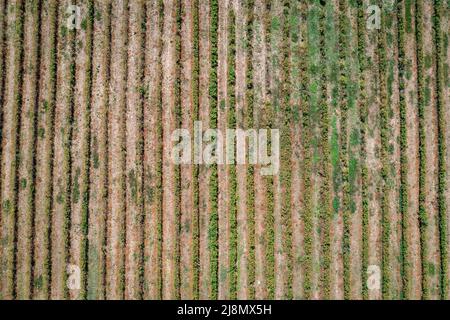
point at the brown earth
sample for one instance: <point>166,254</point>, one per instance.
<point>116,144</point>
<point>98,188</point>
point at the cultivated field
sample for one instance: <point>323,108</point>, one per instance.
<point>93,205</point>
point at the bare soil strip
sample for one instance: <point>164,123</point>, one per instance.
<point>26,152</point>
<point>44,151</point>
<point>225,269</point>
<point>413,267</point>
<point>81,149</point>
<point>393,158</point>
<point>312,212</point>
<point>134,170</point>
<point>260,188</point>
<point>297,78</point>
<point>445,58</point>
<point>115,266</point>
<point>152,154</point>
<point>62,158</point>
<point>187,183</point>
<point>373,161</point>
<point>205,172</point>
<point>241,69</point>
<point>275,74</point>
<point>169,179</point>
<point>10,134</point>
<point>98,189</point>
<point>432,258</point>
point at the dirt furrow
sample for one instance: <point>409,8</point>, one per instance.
<point>26,152</point>
<point>260,189</point>
<point>226,271</point>
<point>275,87</point>
<point>204,171</point>
<point>313,210</point>
<point>152,154</point>
<point>241,101</point>
<point>297,79</point>
<point>44,151</point>
<point>187,177</point>
<point>10,133</point>
<point>134,170</point>
<point>81,149</point>
<point>393,155</point>
<point>169,179</point>
<point>115,265</point>
<point>413,270</point>
<point>373,162</point>
<point>98,190</point>
<point>61,156</point>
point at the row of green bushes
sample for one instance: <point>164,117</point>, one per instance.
<point>309,142</point>
<point>423,215</point>
<point>86,152</point>
<point>266,122</point>
<point>329,76</point>
<point>385,189</point>
<point>67,41</point>
<point>344,84</point>
<point>286,146</point>
<point>404,201</point>
<point>143,94</point>
<point>232,178</point>
<point>159,151</point>
<point>213,232</point>
<point>363,117</point>
<point>178,123</point>
<point>441,56</point>
<point>195,117</point>
<point>250,178</point>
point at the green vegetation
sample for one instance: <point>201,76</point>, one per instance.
<point>195,117</point>
<point>178,121</point>
<point>328,73</point>
<point>249,122</point>
<point>344,104</point>
<point>232,179</point>
<point>385,189</point>
<point>310,140</point>
<point>159,152</point>
<point>423,215</point>
<point>213,231</point>
<point>404,201</point>
<point>441,57</point>
<point>266,122</point>
<point>285,117</point>
<point>363,106</point>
